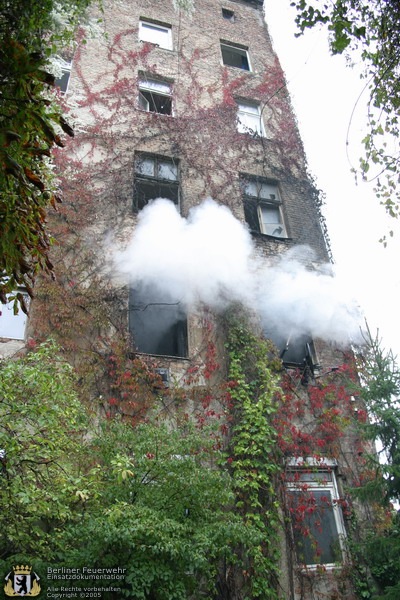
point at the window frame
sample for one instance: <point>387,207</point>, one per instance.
<point>238,50</point>
<point>311,467</point>
<point>254,205</point>
<point>164,42</point>
<point>148,180</point>
<point>149,86</point>
<point>259,130</point>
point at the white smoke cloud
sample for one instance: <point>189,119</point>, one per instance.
<point>210,257</point>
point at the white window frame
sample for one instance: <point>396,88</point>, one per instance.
<point>240,51</point>
<point>328,487</point>
<point>13,326</point>
<point>155,33</point>
<point>156,87</point>
<point>249,118</point>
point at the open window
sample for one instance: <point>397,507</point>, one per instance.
<point>157,322</point>
<point>263,206</point>
<point>155,177</point>
<point>296,350</point>
<point>316,517</point>
<point>234,55</point>
<point>155,33</point>
<point>155,96</point>
<point>249,118</point>
<point>13,324</point>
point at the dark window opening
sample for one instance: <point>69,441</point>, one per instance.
<point>234,56</point>
<point>63,81</point>
<point>155,177</point>
<point>157,322</point>
<point>296,351</point>
<point>227,14</point>
<point>153,102</point>
<point>145,191</point>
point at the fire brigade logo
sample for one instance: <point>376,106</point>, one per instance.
<point>23,582</point>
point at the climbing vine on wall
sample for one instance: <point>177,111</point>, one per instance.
<point>253,457</point>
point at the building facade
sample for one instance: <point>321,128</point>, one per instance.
<point>186,102</point>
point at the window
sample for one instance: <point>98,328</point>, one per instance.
<point>317,522</point>
<point>227,14</point>
<point>157,322</point>
<point>155,96</point>
<point>155,177</point>
<point>155,33</point>
<point>12,326</point>
<point>249,119</point>
<point>235,56</point>
<point>62,81</point>
<point>262,207</point>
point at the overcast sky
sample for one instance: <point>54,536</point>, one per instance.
<point>324,94</point>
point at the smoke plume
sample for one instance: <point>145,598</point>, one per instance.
<point>210,257</point>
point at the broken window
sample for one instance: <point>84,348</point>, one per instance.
<point>263,207</point>
<point>157,322</point>
<point>317,522</point>
<point>155,33</point>
<point>155,177</point>
<point>235,56</point>
<point>296,350</point>
<point>155,96</point>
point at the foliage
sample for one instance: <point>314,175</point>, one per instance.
<point>371,30</point>
<point>41,431</point>
<point>253,458</point>
<point>31,123</point>
<point>162,511</point>
<point>381,392</point>
<point>150,499</point>
<point>380,546</point>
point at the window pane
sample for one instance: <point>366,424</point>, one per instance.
<point>320,476</point>
<point>12,326</point>
<point>314,526</point>
<point>249,119</point>
<point>145,166</point>
<point>249,108</point>
<point>270,215</point>
<point>250,188</point>
<point>268,191</point>
<point>167,170</point>
<point>156,34</point>
<point>248,123</point>
<point>159,86</point>
<point>235,57</point>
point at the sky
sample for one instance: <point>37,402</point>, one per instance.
<point>325,93</point>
